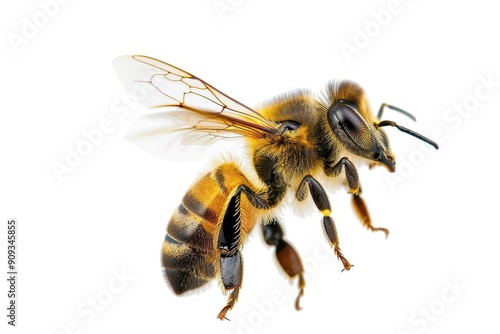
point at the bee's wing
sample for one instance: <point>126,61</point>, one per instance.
<point>189,111</point>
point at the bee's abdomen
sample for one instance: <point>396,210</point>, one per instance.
<point>185,266</point>
<point>187,251</point>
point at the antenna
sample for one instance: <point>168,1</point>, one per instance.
<point>399,110</point>
<point>408,131</point>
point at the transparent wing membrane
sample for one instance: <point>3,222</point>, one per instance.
<point>185,109</point>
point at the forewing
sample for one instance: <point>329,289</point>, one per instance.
<point>189,111</point>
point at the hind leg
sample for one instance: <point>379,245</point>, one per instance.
<point>230,240</point>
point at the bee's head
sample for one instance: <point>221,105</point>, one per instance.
<point>352,125</point>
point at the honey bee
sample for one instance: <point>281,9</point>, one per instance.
<point>294,141</point>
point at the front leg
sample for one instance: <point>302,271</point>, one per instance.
<point>229,243</point>
<point>323,204</point>
<point>353,186</point>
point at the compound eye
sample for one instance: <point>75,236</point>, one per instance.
<point>352,125</point>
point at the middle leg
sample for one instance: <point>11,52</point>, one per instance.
<point>287,256</point>
<point>323,204</point>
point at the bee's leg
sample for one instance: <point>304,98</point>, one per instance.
<point>354,188</point>
<point>229,245</point>
<point>287,256</point>
<point>323,204</point>
<point>231,274</point>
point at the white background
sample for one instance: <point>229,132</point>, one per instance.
<point>108,215</point>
